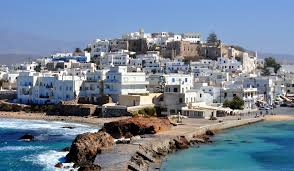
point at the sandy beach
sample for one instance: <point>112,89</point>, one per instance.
<point>278,117</point>
<point>43,116</point>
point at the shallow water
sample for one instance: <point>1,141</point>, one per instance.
<point>41,154</point>
<point>265,146</point>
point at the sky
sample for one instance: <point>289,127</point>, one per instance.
<point>262,25</point>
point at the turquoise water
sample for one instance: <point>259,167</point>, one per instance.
<point>266,146</point>
<point>41,154</point>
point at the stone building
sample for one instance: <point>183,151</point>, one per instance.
<point>181,48</point>
<point>138,45</point>
<point>118,44</point>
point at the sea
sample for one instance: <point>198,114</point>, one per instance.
<point>42,153</point>
<point>265,146</point>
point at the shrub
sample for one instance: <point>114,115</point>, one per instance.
<point>141,111</point>
<point>150,111</point>
<point>236,103</point>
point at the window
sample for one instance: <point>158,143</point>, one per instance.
<point>180,100</point>
<point>175,89</point>
<point>186,79</point>
<point>173,80</point>
<point>225,94</point>
<point>234,95</point>
<point>200,95</point>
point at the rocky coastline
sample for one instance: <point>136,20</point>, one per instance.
<point>142,149</point>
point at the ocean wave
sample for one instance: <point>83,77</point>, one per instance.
<point>49,159</point>
<point>21,148</point>
<point>50,127</point>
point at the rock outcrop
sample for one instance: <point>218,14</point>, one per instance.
<point>86,146</point>
<point>27,137</point>
<point>90,167</point>
<point>58,165</point>
<point>136,126</point>
<point>181,142</point>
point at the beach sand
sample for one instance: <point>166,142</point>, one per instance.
<point>278,117</point>
<point>42,116</point>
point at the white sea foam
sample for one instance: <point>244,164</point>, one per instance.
<point>51,127</point>
<point>49,159</point>
<point>21,148</point>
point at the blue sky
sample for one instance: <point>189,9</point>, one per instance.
<point>263,25</point>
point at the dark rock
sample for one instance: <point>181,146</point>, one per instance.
<point>128,135</point>
<point>123,142</point>
<point>197,141</point>
<point>181,142</point>
<point>204,137</point>
<point>58,165</point>
<point>27,137</point>
<point>66,149</point>
<point>90,167</point>
<point>68,127</point>
<point>86,146</point>
<point>136,126</point>
<point>209,133</point>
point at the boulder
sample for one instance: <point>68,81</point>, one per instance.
<point>136,126</point>
<point>90,167</point>
<point>181,142</point>
<point>27,137</point>
<point>58,165</point>
<point>68,127</point>
<point>204,137</point>
<point>86,146</point>
<point>66,149</point>
<point>209,133</point>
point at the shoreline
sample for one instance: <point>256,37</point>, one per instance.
<point>148,152</point>
<point>121,156</point>
<point>95,121</point>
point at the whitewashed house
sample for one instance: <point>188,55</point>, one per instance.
<point>119,58</point>
<point>264,85</point>
<point>229,65</point>
<point>121,82</point>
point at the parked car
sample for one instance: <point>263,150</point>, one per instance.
<point>264,108</point>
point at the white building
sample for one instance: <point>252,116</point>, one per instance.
<point>176,66</point>
<point>121,82</point>
<point>40,88</point>
<point>119,58</point>
<point>229,65</point>
<point>99,47</point>
<point>249,63</point>
<point>265,87</point>
<point>192,37</point>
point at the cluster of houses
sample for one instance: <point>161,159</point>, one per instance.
<point>178,73</point>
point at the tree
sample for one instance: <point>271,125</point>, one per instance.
<point>226,103</point>
<point>239,48</point>
<point>78,50</point>
<point>265,72</point>
<point>236,103</point>
<point>38,68</point>
<point>271,62</point>
<point>212,38</point>
<point>88,49</point>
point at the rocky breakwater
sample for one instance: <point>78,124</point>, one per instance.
<point>85,147</point>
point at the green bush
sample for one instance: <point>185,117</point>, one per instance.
<point>141,111</point>
<point>150,111</point>
<point>236,103</point>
